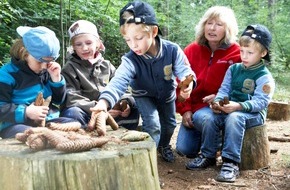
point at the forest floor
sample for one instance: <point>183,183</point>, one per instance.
<point>174,176</point>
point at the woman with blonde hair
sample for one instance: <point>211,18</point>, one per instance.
<point>210,55</point>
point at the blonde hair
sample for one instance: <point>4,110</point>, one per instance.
<point>127,16</point>
<point>225,15</point>
<point>18,50</point>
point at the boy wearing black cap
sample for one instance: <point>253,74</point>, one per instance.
<point>250,87</point>
<point>32,69</point>
<point>150,69</point>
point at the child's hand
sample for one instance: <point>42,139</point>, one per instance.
<point>102,105</point>
<point>185,93</point>
<point>208,99</point>
<point>36,113</point>
<point>126,112</point>
<point>216,108</point>
<point>54,70</point>
<point>114,113</point>
<point>231,107</point>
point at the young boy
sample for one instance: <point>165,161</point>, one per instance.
<point>250,87</point>
<point>32,69</point>
<point>150,69</point>
<point>87,73</point>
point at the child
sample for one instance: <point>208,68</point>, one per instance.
<point>87,73</point>
<point>150,69</point>
<point>32,69</point>
<point>250,87</point>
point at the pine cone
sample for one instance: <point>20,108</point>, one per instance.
<point>184,84</point>
<point>70,126</point>
<point>54,137</point>
<point>36,142</point>
<point>81,144</point>
<point>101,119</point>
<point>111,121</point>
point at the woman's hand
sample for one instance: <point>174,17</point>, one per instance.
<point>187,119</point>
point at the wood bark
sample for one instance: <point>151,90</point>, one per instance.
<point>256,149</point>
<point>279,111</point>
<point>122,165</point>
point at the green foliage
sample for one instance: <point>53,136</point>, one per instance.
<point>7,16</point>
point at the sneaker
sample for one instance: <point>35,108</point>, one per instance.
<point>200,162</point>
<point>229,172</point>
<point>166,153</point>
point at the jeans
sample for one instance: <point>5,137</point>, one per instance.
<point>11,131</point>
<point>131,122</point>
<point>234,126</point>
<point>158,119</point>
<point>189,139</point>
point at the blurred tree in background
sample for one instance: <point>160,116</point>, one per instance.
<point>177,20</point>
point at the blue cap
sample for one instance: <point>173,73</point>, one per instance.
<point>40,42</point>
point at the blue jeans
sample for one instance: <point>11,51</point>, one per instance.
<point>234,126</point>
<point>11,131</point>
<point>131,122</point>
<point>158,119</point>
<point>189,139</point>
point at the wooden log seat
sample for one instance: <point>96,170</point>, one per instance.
<point>278,111</point>
<point>256,149</point>
<point>122,166</point>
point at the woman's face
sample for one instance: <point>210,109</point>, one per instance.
<point>214,31</point>
<point>86,45</point>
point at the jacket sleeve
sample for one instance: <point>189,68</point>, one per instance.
<point>74,96</point>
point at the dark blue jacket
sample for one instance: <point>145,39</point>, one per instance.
<point>153,77</point>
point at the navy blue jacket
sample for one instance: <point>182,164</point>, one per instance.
<point>153,77</point>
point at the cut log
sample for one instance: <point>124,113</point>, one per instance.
<point>122,166</point>
<point>256,149</point>
<point>279,111</point>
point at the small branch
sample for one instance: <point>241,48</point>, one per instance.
<point>279,139</point>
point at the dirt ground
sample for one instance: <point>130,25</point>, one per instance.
<point>175,176</point>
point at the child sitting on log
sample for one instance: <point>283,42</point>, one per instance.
<point>250,87</point>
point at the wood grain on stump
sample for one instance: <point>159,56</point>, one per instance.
<point>125,165</point>
<point>256,149</point>
<point>279,111</point>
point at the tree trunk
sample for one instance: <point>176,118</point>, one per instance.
<point>131,165</point>
<point>256,149</point>
<point>279,111</point>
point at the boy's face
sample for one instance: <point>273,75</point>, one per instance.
<point>35,65</point>
<point>251,55</point>
<point>139,40</point>
<point>86,45</point>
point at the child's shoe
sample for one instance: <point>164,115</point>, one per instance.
<point>200,162</point>
<point>229,172</point>
<point>166,153</point>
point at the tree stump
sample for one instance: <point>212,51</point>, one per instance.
<point>279,111</point>
<point>122,166</point>
<point>256,149</point>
